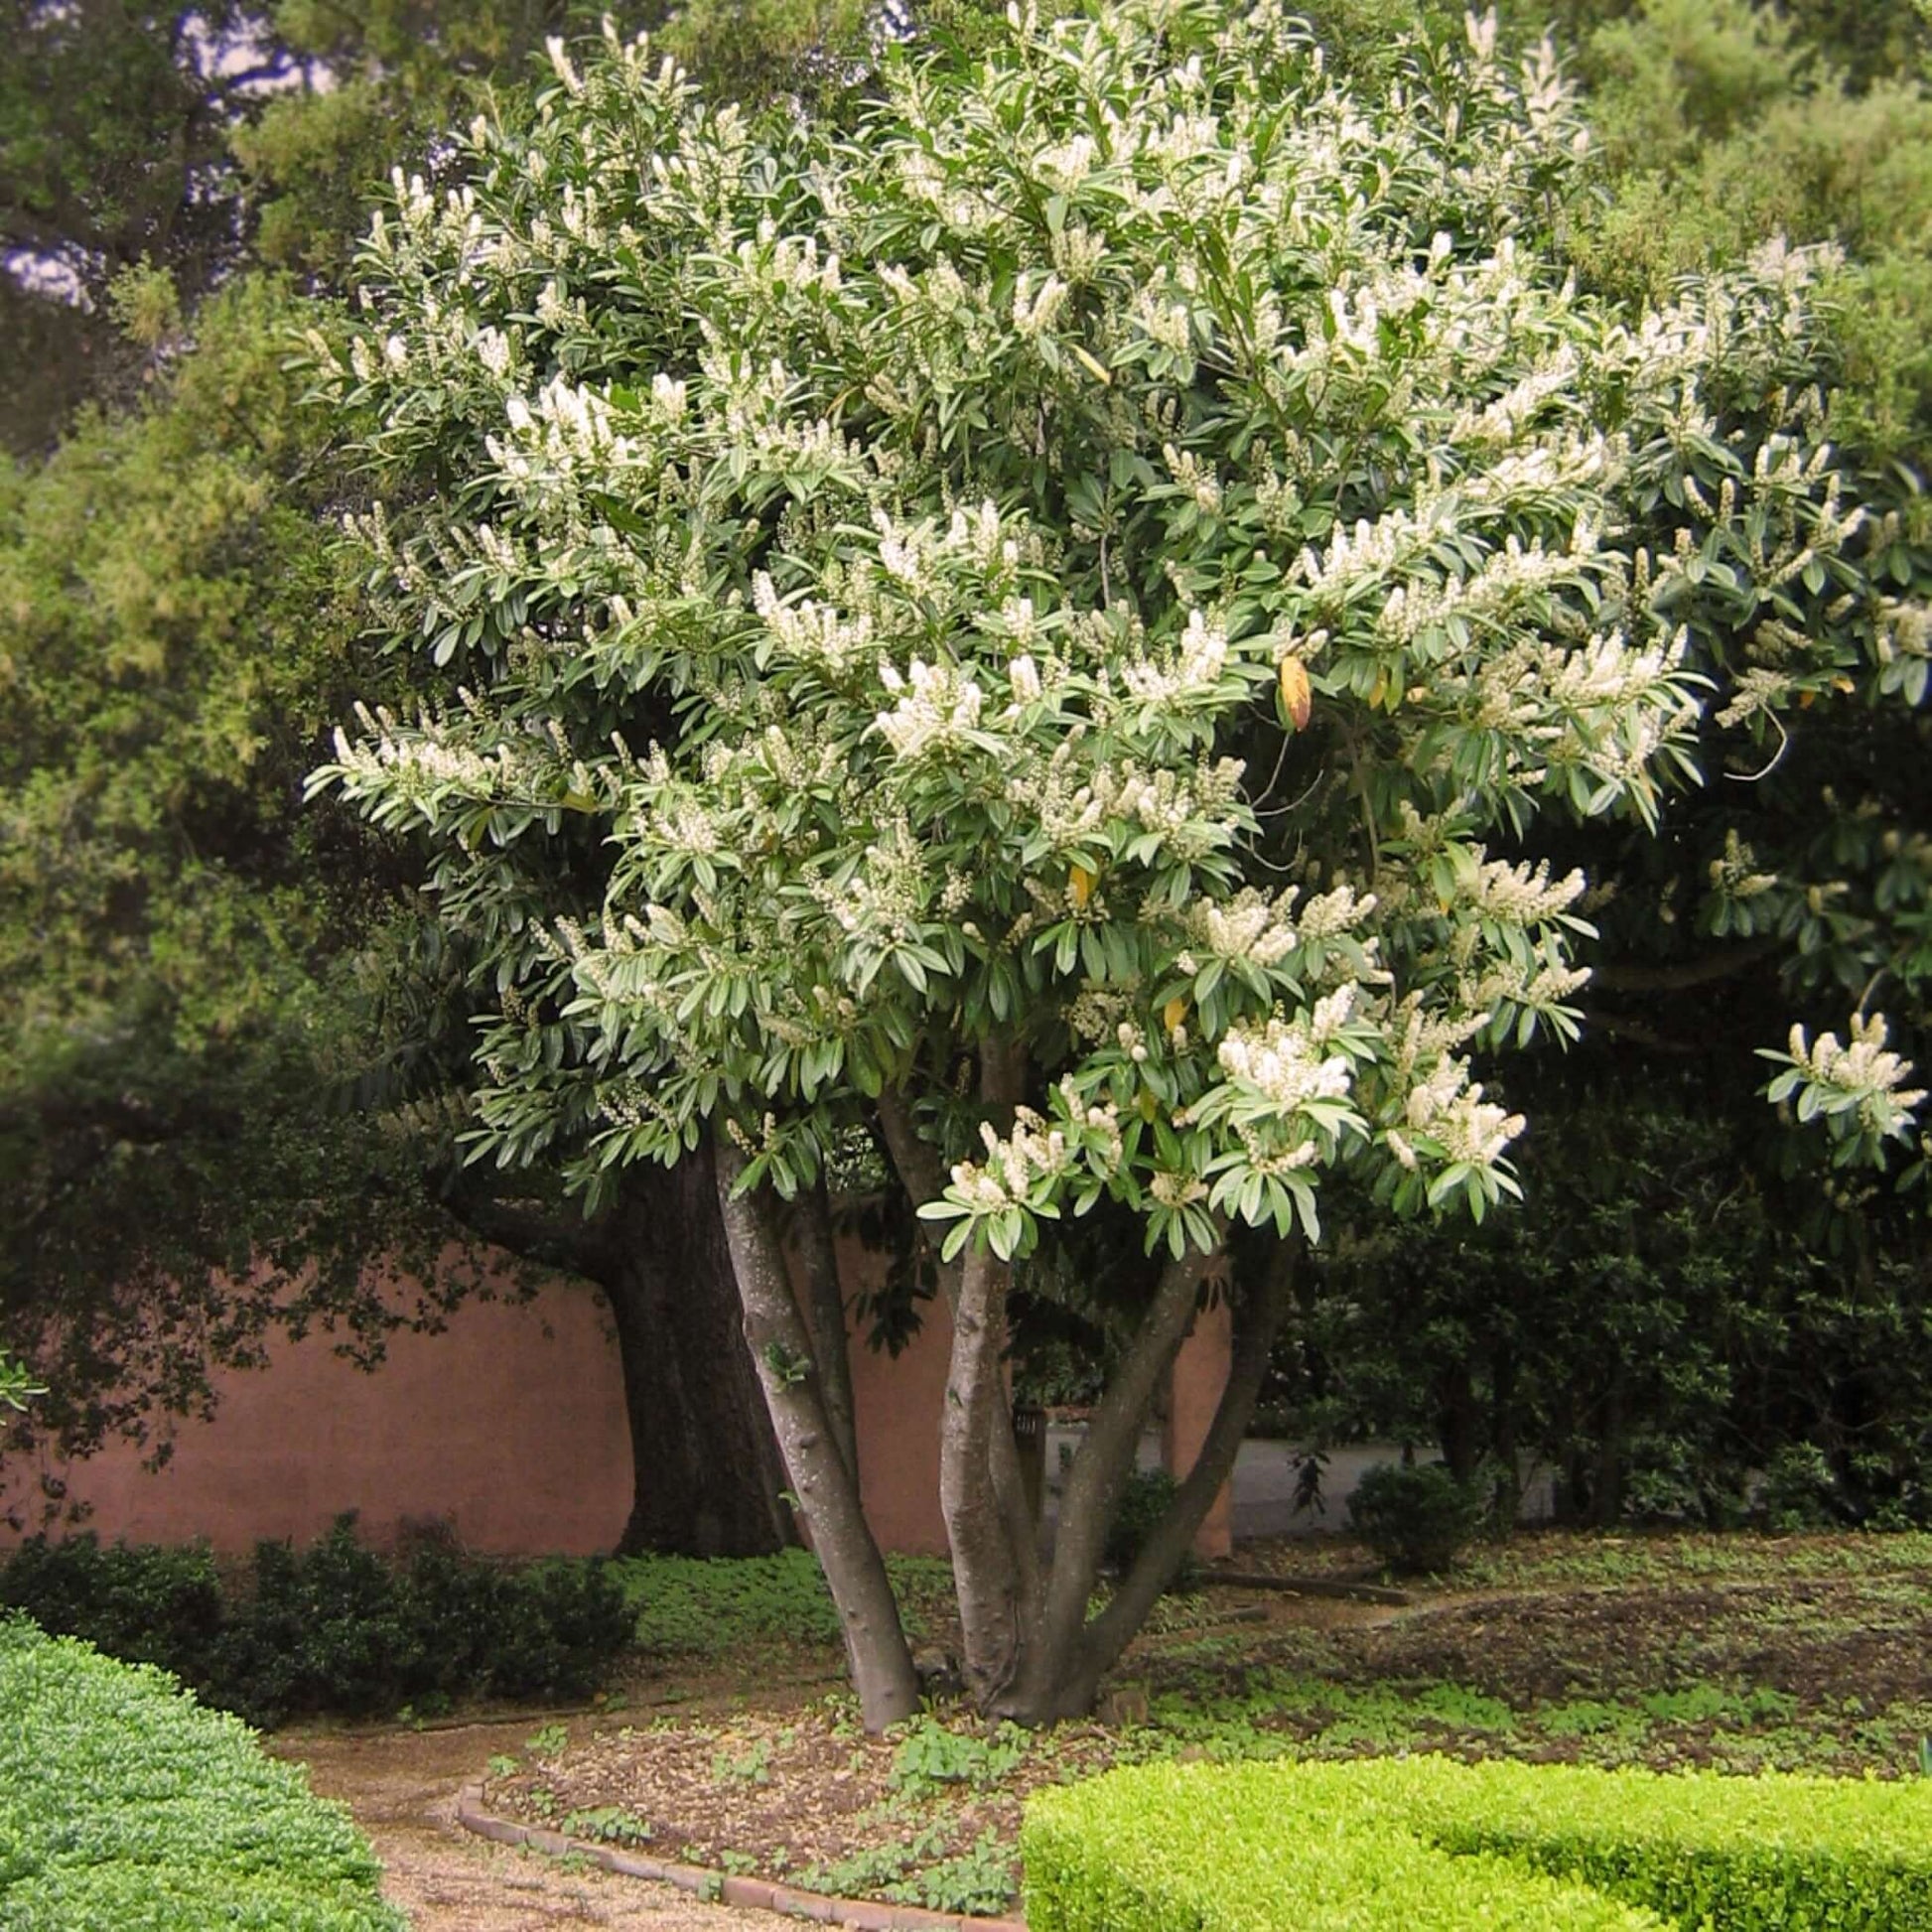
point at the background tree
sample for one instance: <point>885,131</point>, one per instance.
<point>231,1067</point>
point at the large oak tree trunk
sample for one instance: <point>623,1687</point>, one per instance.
<point>707,1473</point>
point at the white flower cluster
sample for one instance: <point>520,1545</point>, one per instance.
<point>887,891</point>
<point>1331,913</point>
<point>1735,874</point>
<point>1450,1108</point>
<point>1192,667</point>
<point>1284,1062</point>
<point>1523,895</point>
<point>814,633</point>
<point>941,704</point>
<point>1758,689</point>
<point>1863,1077</point>
<point>1033,1152</point>
<point>1905,629</point>
<point>1252,926</point>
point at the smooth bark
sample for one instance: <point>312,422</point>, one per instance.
<point>827,1490</point>
<point>1064,1676</point>
<point>1030,1653</point>
<point>991,1527</point>
<point>825,1316</point>
<point>1105,1459</point>
<point>993,1619</point>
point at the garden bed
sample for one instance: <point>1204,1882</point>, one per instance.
<point>1735,1654</point>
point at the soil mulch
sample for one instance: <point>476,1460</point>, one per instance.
<point>788,1786</point>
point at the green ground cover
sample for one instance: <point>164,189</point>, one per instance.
<point>694,1606</point>
<point>126,1807</point>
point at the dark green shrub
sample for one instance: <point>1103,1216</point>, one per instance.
<point>1387,1844</point>
<point>126,1805</point>
<point>141,1602</point>
<point>335,1627</point>
<point>460,1606</point>
<point>558,1623</point>
<point>329,1628</point>
<point>1143,1504</point>
<point>1415,1516</point>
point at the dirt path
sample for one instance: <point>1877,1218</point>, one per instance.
<point>402,1787</point>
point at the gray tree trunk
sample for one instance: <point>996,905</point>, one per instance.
<point>1063,1675</point>
<point>825,1316</point>
<point>826,1488</point>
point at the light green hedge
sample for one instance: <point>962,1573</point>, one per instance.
<point>126,1807</point>
<point>1428,1845</point>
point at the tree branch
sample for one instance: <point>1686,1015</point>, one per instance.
<point>526,1231</point>
<point>921,1170</point>
<point>923,1175</point>
<point>1112,1630</point>
<point>1631,978</point>
<point>1639,1032</point>
<point>1100,1467</point>
<point>828,1495</point>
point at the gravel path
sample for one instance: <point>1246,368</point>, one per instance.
<point>401,1786</point>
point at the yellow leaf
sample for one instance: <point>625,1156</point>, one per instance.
<point>1080,884</point>
<point>1174,1012</point>
<point>1296,698</point>
<point>1097,371</point>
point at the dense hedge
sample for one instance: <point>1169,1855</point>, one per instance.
<point>126,1807</point>
<point>335,1627</point>
<point>1427,1843</point>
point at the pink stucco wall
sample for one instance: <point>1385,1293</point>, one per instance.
<point>510,1428</point>
<point>1200,1373</point>
<point>897,1402</point>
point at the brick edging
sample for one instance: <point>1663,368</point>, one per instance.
<point>723,1888</point>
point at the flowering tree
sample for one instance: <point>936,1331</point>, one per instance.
<point>1047,631</point>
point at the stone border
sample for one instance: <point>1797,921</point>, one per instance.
<point>723,1888</point>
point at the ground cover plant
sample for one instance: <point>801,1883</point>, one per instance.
<point>691,1607</point>
<point>1425,1841</point>
<point>1733,1654</point>
<point>124,1803</point>
<point>335,1627</point>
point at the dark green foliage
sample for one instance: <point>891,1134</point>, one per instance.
<point>142,1603</point>
<point>1415,1516</point>
<point>698,1607</point>
<point>1427,1841</point>
<point>335,1627</point>
<point>1143,1503</point>
<point>1648,1324</point>
<point>122,1805</point>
